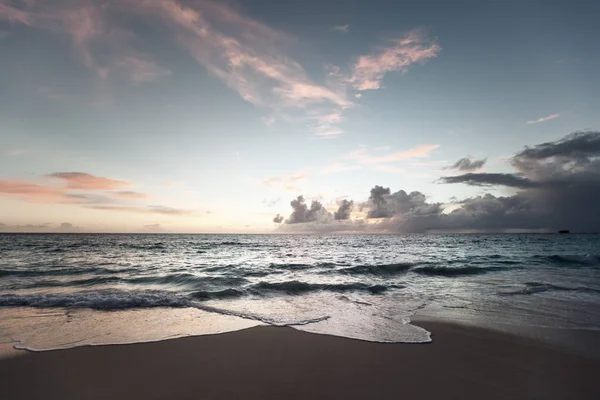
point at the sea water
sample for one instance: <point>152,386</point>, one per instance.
<point>61,291</point>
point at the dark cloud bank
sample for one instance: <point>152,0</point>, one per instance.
<point>557,184</point>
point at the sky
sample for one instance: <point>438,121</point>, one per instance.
<point>215,116</point>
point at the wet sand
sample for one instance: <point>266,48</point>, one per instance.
<point>277,363</point>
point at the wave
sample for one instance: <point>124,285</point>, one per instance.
<point>61,271</point>
<point>153,246</point>
<point>291,266</point>
<point>173,279</point>
<point>297,287</point>
<point>587,259</point>
<point>220,294</point>
<point>100,300</point>
<point>187,279</point>
<point>385,269</point>
<point>539,287</point>
<point>455,271</point>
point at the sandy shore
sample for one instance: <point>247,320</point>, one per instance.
<point>278,363</point>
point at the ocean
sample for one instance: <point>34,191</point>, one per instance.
<point>65,290</point>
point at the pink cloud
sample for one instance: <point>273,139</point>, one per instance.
<point>338,167</point>
<point>363,157</point>
<point>141,69</point>
<point>288,182</point>
<point>241,51</point>
<point>12,14</point>
<point>86,23</point>
<point>85,181</point>
<point>104,195</point>
<point>31,191</point>
<point>126,194</point>
<point>369,70</point>
<point>143,210</point>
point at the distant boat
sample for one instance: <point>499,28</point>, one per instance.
<point>564,231</point>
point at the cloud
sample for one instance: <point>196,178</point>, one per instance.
<point>278,219</point>
<point>85,181</point>
<point>344,210</point>
<point>362,155</point>
<point>490,179</point>
<point>31,191</point>
<point>467,164</point>
<point>338,166</point>
<point>302,213</point>
<point>68,227</point>
<point>142,209</point>
<point>544,119</point>
<point>271,203</point>
<point>26,228</point>
<point>369,70</point>
<point>245,54</point>
<point>288,182</point>
<point>85,190</point>
<point>341,28</point>
<point>557,184</point>
<point>126,194</point>
<point>154,228</point>
<point>96,39</point>
<point>141,69</point>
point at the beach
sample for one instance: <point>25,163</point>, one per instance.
<point>281,362</point>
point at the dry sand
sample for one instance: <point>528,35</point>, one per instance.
<point>282,363</point>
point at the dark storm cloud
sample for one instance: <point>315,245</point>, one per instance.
<point>344,210</point>
<point>302,213</point>
<point>467,164</point>
<point>557,183</point>
<point>490,179</point>
<point>560,184</point>
<point>278,219</point>
<point>578,146</point>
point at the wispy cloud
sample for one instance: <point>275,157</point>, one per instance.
<point>363,156</point>
<point>338,166</point>
<point>31,191</point>
<point>141,69</point>
<point>341,28</point>
<point>143,210</point>
<point>544,119</point>
<point>10,13</point>
<point>244,53</point>
<point>96,41</point>
<point>126,194</point>
<point>16,152</point>
<point>289,182</point>
<point>369,70</point>
<point>84,190</point>
<point>85,181</point>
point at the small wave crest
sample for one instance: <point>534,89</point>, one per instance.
<point>540,287</point>
<point>385,269</point>
<point>61,271</point>
<point>99,300</point>
<point>587,259</point>
<point>455,271</point>
<point>297,287</point>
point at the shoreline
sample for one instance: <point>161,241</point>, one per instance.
<point>281,362</point>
